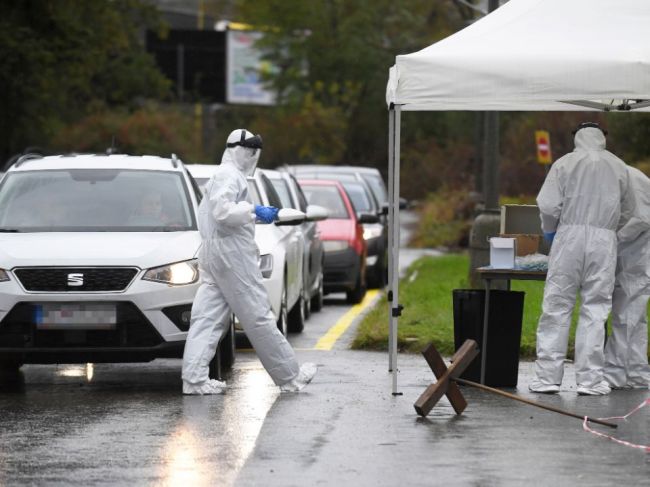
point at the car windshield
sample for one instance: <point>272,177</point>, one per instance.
<point>95,200</point>
<point>328,197</point>
<point>359,197</point>
<point>377,186</point>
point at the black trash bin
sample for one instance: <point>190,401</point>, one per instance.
<point>504,333</point>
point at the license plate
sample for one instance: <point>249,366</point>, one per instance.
<point>75,316</point>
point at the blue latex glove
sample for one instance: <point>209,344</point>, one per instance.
<point>266,214</point>
<point>549,236</point>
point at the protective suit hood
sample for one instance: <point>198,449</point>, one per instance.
<point>237,152</point>
<point>589,139</point>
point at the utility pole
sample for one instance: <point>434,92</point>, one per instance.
<point>487,223</point>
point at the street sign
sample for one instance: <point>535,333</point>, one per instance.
<point>543,143</point>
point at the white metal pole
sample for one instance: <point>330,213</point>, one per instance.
<point>395,307</point>
<point>391,216</point>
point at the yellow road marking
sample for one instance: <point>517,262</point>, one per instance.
<point>328,340</point>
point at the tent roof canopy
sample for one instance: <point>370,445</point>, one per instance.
<point>534,55</point>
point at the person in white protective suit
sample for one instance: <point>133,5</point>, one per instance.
<point>626,350</point>
<point>231,279</point>
<point>583,202</point>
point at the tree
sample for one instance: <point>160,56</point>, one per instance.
<point>335,54</point>
<point>63,59</point>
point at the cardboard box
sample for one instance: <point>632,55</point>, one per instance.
<point>502,252</point>
<point>523,220</point>
<point>527,243</point>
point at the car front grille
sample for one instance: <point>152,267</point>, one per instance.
<point>75,279</point>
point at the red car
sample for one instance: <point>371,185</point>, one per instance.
<point>342,236</point>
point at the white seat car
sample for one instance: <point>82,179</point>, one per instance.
<point>98,260</point>
<point>291,195</point>
<point>281,252</point>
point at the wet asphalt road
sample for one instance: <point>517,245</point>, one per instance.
<point>129,425</point>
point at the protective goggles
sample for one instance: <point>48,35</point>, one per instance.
<point>254,142</point>
<point>585,125</point>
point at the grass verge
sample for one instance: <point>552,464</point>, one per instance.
<point>426,294</point>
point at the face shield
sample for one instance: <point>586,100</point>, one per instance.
<point>246,151</point>
<point>585,125</point>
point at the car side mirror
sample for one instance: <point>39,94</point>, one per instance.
<point>384,209</point>
<point>367,217</point>
<point>316,213</point>
<point>289,217</point>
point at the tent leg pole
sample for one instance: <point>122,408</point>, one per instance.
<point>395,307</point>
<point>391,168</point>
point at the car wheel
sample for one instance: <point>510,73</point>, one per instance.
<point>296,316</point>
<point>317,300</point>
<point>224,358</point>
<point>356,294</point>
<point>283,318</point>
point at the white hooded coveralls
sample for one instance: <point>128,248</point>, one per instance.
<point>626,351</point>
<point>584,198</point>
<point>230,276</point>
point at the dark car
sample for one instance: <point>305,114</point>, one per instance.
<point>342,236</point>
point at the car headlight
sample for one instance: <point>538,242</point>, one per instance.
<point>334,245</point>
<point>177,274</point>
<point>266,265</point>
<point>3,275</point>
<point>371,231</point>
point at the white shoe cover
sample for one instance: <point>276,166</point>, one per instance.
<point>307,372</point>
<point>600,389</point>
<point>537,386</point>
<point>210,386</point>
<point>638,384</point>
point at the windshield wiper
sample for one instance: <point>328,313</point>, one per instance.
<point>9,230</point>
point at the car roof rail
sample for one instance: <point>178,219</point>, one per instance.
<point>26,157</point>
<point>174,160</point>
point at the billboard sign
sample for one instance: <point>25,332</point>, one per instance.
<point>245,68</point>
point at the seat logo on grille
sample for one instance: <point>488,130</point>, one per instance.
<point>75,279</point>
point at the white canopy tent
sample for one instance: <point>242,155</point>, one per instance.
<point>527,55</point>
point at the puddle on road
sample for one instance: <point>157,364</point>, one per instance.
<point>197,453</point>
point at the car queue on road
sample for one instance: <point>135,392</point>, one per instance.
<point>99,255</point>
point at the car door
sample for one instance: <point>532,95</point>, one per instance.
<point>313,245</point>
<point>293,241</point>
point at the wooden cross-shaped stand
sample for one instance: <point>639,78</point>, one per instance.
<point>446,384</point>
<point>449,377</point>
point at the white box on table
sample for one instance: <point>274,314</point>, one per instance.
<point>502,252</point>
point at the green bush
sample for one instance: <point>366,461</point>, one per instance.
<point>445,220</point>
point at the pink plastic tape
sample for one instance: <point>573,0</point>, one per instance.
<point>646,448</point>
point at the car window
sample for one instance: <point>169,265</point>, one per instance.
<point>89,200</point>
<point>271,194</point>
<point>328,197</point>
<point>359,196</point>
<point>254,192</point>
<point>282,188</point>
<point>377,186</point>
<point>302,200</point>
